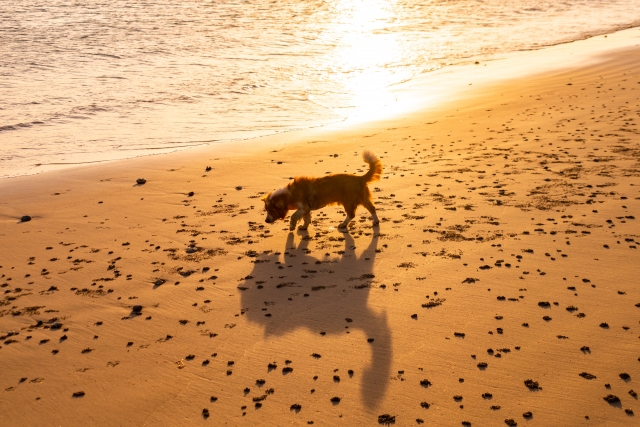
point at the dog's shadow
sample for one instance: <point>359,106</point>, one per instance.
<point>295,289</point>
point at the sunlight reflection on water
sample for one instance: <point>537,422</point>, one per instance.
<point>101,79</point>
<point>364,57</point>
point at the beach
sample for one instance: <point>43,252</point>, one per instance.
<point>501,287</point>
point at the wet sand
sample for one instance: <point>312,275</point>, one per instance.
<point>501,287</point>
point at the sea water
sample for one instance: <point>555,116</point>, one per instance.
<point>93,80</point>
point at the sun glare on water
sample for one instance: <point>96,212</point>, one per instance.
<point>367,56</point>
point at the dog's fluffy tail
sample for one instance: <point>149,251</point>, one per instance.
<point>375,166</point>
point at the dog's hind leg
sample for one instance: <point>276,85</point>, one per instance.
<point>372,210</point>
<point>351,213</point>
<point>307,221</point>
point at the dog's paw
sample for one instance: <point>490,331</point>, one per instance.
<point>292,227</point>
<point>303,227</point>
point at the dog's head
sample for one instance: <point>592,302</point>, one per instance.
<point>276,205</point>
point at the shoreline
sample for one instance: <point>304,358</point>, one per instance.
<point>500,287</point>
<point>448,80</point>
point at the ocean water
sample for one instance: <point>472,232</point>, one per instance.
<point>93,80</point>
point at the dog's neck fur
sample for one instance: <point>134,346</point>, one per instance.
<point>280,191</point>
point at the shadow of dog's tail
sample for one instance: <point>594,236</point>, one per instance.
<point>375,166</point>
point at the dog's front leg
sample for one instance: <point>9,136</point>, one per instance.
<point>307,221</point>
<point>295,218</point>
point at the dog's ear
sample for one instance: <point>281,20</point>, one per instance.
<point>280,204</point>
<point>265,198</point>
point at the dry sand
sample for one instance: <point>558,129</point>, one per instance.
<point>507,252</point>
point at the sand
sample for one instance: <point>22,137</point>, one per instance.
<point>501,287</point>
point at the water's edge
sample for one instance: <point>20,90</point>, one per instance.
<point>348,118</point>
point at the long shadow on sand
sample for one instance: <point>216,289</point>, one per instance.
<point>294,289</point>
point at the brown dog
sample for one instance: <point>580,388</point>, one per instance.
<point>308,194</point>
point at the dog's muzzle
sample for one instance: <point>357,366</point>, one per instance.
<point>269,219</point>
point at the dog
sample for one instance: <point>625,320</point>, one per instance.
<point>307,194</point>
